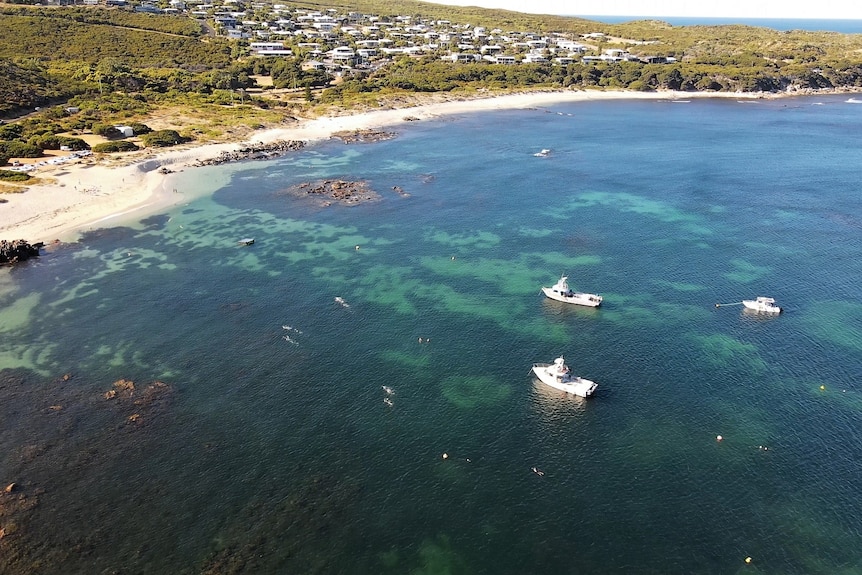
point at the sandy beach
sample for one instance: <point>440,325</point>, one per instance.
<point>85,194</point>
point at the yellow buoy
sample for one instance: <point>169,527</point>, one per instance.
<point>445,456</point>
<point>748,559</point>
<point>822,387</point>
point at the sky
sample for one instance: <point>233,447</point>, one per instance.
<point>822,9</point>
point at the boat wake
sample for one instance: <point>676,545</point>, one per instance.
<point>287,338</point>
<point>388,393</point>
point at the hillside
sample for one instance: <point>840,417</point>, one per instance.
<point>121,65</point>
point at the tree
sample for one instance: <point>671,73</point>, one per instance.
<point>163,139</point>
<point>106,131</point>
<point>107,70</point>
<point>125,146</point>
<point>672,79</point>
<point>11,131</point>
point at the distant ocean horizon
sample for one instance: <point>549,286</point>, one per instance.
<point>782,24</point>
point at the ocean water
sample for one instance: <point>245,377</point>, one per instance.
<point>257,438</point>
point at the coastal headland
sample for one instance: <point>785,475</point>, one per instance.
<point>88,193</point>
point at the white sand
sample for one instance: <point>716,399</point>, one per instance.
<point>85,195</point>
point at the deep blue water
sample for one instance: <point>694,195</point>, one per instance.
<point>267,446</point>
<point>782,24</point>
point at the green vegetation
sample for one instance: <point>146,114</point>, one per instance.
<point>139,128</point>
<point>27,83</point>
<point>63,39</point>
<point>17,149</point>
<point>121,146</point>
<point>10,176</point>
<point>66,71</point>
<point>163,139</point>
<point>117,18</point>
<point>55,142</point>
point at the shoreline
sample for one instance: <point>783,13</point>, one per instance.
<point>85,195</point>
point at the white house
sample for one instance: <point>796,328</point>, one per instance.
<point>571,46</point>
<point>257,46</point>
<point>342,54</point>
<point>462,57</point>
<point>535,58</point>
<point>270,53</point>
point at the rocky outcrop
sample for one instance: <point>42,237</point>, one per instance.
<point>340,191</point>
<point>364,136</point>
<point>254,152</point>
<point>17,251</point>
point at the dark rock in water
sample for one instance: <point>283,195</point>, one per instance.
<point>17,251</point>
<point>341,191</point>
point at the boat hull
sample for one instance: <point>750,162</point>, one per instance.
<point>585,299</point>
<point>760,307</point>
<point>573,385</point>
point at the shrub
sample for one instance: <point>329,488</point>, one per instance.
<point>106,131</point>
<point>73,143</point>
<point>163,139</point>
<point>53,142</point>
<point>16,149</point>
<point>11,131</point>
<point>10,176</point>
<point>140,129</point>
<point>122,146</point>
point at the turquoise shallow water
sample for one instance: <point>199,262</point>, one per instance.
<point>267,446</point>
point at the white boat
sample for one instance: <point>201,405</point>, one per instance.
<point>246,241</point>
<point>560,291</point>
<point>559,376</point>
<point>543,153</point>
<point>762,304</point>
